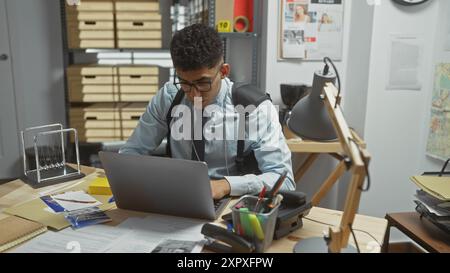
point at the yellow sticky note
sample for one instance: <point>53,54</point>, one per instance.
<point>224,26</point>
<point>100,186</point>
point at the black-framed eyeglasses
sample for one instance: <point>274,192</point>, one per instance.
<point>202,86</point>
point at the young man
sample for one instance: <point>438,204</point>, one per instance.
<point>197,54</point>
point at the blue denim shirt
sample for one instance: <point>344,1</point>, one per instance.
<point>268,142</point>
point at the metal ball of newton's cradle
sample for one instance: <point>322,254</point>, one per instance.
<point>45,162</point>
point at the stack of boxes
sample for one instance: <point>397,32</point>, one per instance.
<point>96,83</point>
<point>107,101</point>
<point>105,122</point>
<point>91,24</point>
<point>114,24</point>
<point>92,83</point>
<point>117,97</point>
<point>137,83</point>
<point>138,24</point>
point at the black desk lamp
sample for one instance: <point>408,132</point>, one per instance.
<point>319,117</point>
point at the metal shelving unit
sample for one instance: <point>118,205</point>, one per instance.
<point>254,36</point>
<point>70,57</point>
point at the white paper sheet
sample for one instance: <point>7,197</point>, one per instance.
<point>75,196</point>
<point>148,232</point>
<point>90,239</point>
<point>135,235</point>
<point>405,63</point>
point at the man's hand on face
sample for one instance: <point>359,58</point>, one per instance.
<point>220,188</point>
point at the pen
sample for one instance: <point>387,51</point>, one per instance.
<point>230,227</point>
<point>273,192</point>
<point>75,201</point>
<point>260,197</point>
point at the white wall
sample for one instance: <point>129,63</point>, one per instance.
<point>297,71</point>
<point>393,123</point>
<point>396,125</point>
<point>36,49</point>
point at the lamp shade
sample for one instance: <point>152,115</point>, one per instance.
<point>309,119</point>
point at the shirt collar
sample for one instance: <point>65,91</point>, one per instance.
<point>224,88</point>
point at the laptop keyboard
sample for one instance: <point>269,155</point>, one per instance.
<point>219,205</point>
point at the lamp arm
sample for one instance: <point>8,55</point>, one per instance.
<point>338,237</point>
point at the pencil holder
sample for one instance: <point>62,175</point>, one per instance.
<point>255,221</point>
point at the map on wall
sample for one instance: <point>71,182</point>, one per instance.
<point>439,138</point>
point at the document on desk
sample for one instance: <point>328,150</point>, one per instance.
<point>91,239</point>
<point>135,235</point>
<point>147,233</point>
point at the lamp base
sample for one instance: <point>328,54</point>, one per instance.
<point>318,245</point>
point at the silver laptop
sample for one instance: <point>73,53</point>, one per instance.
<point>161,185</point>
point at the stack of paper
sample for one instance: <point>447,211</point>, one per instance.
<point>433,199</point>
<point>436,186</point>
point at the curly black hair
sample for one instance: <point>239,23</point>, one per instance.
<point>195,47</point>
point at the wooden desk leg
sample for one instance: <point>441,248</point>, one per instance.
<point>385,246</point>
<point>305,166</point>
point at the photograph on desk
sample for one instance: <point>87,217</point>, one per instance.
<point>225,127</point>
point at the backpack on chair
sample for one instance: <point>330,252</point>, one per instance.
<point>242,94</point>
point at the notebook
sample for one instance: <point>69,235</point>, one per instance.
<point>15,230</point>
<point>436,186</point>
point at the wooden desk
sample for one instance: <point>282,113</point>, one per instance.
<point>16,192</point>
<point>420,230</point>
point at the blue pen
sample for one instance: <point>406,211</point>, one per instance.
<point>230,227</point>
<point>111,200</point>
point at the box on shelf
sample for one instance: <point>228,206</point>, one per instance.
<point>92,83</point>
<point>138,24</point>
<point>102,122</point>
<point>90,24</point>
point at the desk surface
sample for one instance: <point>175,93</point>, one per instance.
<point>421,231</point>
<point>318,220</point>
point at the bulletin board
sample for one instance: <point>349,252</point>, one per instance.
<point>311,29</point>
